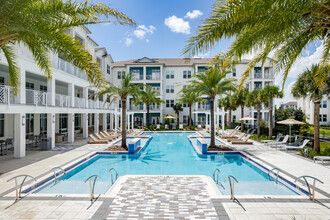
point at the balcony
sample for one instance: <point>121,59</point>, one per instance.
<point>34,97</point>
<point>136,108</point>
<point>153,76</point>
<point>92,104</point>
<point>79,102</point>
<point>204,107</point>
<point>154,107</point>
<point>62,101</point>
<point>71,69</point>
<point>258,75</point>
<point>137,77</point>
<point>7,95</point>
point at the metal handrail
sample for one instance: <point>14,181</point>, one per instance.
<point>273,171</point>
<point>218,173</point>
<point>54,170</point>
<point>18,192</point>
<point>311,195</point>
<point>113,169</point>
<point>91,188</point>
<point>232,186</point>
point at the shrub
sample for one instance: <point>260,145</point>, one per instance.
<point>312,153</point>
<point>302,152</point>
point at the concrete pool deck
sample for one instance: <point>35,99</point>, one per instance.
<point>167,196</point>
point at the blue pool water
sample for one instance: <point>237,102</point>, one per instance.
<point>169,154</point>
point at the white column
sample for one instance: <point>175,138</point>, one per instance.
<point>19,135</point>
<point>22,92</point>
<point>51,89</point>
<point>84,121</point>
<point>71,94</point>
<point>132,120</point>
<point>70,128</point>
<point>111,121</point>
<point>144,119</point>
<point>51,128</point>
<point>104,122</point>
<point>128,121</point>
<point>85,96</point>
<point>96,122</point>
<point>36,124</point>
<point>116,123</point>
<point>144,72</point>
<point>223,120</point>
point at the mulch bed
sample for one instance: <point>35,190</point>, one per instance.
<point>219,148</point>
<point>115,148</point>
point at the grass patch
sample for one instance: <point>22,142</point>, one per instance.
<point>325,149</point>
<point>323,132</point>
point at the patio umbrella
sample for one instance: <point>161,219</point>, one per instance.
<point>290,122</point>
<point>247,119</point>
<point>170,117</point>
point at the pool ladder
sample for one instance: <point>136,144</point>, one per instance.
<point>92,186</point>
<point>61,171</point>
<point>276,174</point>
<point>113,179</point>
<point>231,180</point>
<point>311,194</point>
<point>19,190</point>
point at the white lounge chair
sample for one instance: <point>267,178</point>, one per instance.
<point>180,126</point>
<point>322,158</point>
<point>277,143</point>
<point>277,139</point>
<point>158,127</point>
<point>166,126</point>
<point>302,146</point>
<point>199,127</point>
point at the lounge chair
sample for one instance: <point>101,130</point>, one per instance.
<point>180,126</point>
<point>277,139</point>
<point>112,134</point>
<point>103,138</point>
<point>104,135</point>
<point>236,138</point>
<point>252,131</point>
<point>300,147</point>
<point>277,143</point>
<point>166,126</point>
<point>96,141</point>
<point>322,158</point>
<point>243,140</point>
<point>199,127</point>
<point>230,135</point>
<point>157,127</point>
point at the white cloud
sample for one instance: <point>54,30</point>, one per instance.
<point>202,55</point>
<point>193,14</point>
<point>177,25</point>
<point>147,40</point>
<point>128,41</point>
<point>142,30</point>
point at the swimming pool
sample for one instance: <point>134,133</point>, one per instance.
<point>169,154</point>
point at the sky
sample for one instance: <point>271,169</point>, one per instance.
<point>163,28</point>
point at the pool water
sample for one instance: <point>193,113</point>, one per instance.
<point>169,154</point>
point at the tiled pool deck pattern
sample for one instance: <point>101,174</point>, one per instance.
<point>166,197</point>
<point>129,194</point>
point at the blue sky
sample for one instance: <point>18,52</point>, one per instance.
<point>159,41</point>
<point>163,27</point>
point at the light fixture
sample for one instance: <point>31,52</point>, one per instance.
<point>54,118</point>
<point>23,120</point>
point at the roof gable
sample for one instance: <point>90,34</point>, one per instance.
<point>144,60</point>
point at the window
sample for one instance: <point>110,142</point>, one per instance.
<point>184,105</point>
<point>268,73</point>
<point>2,80</point>
<point>268,83</point>
<point>43,88</point>
<point>257,85</point>
<point>77,121</point>
<point>63,123</point>
<point>169,103</point>
<point>234,72</point>
<point>2,125</point>
<point>29,124</point>
<point>108,69</point>
<point>247,85</point>
<point>98,60</point>
<point>119,104</point>
<point>234,118</point>
<point>121,74</point>
<point>324,118</point>
<point>170,74</point>
<point>184,86</point>
<point>29,85</point>
<point>185,119</point>
<point>43,123</point>
<point>169,88</point>
<point>257,73</point>
<point>324,104</point>
<point>186,74</point>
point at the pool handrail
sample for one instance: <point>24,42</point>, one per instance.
<point>311,195</point>
<point>90,185</point>
<point>232,186</point>
<point>18,192</point>
<point>54,170</point>
<point>273,171</point>
<point>113,169</point>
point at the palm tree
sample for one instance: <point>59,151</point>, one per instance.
<point>230,104</point>
<point>271,92</point>
<point>177,109</point>
<point>122,91</point>
<point>256,98</point>
<point>190,96</point>
<point>241,97</point>
<point>42,26</point>
<point>148,96</point>
<point>306,86</point>
<point>213,83</point>
<point>285,27</point>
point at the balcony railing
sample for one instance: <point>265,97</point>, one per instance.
<point>153,77</point>
<point>137,77</point>
<point>62,101</point>
<point>7,95</point>
<point>79,102</point>
<point>257,75</point>
<point>35,97</point>
<point>136,108</point>
<point>269,76</point>
<point>202,107</point>
<point>92,104</point>
<point>69,68</point>
<point>154,107</point>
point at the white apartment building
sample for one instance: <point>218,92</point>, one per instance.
<point>169,76</point>
<point>61,108</point>
<point>307,107</point>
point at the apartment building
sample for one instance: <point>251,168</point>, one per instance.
<point>169,76</point>
<point>289,105</point>
<point>307,107</point>
<point>62,108</point>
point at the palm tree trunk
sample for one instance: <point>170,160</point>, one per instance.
<point>242,114</point>
<point>212,144</point>
<point>148,118</point>
<point>317,126</point>
<point>229,118</point>
<point>123,123</point>
<point>225,119</point>
<point>189,117</point>
<point>258,118</point>
<point>270,115</point>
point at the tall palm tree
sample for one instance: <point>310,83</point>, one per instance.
<point>241,97</point>
<point>41,26</point>
<point>306,86</point>
<point>177,109</point>
<point>285,27</point>
<point>213,83</point>
<point>190,96</point>
<point>230,104</point>
<point>256,98</point>
<point>148,96</point>
<point>271,92</point>
<point>121,91</point>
